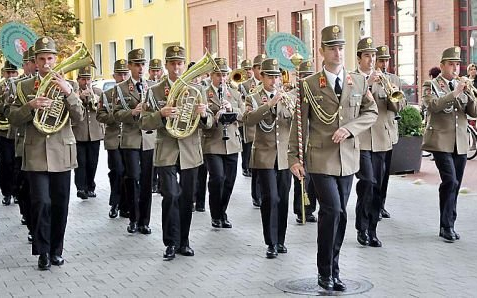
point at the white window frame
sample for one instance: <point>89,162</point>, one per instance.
<point>98,59</point>
<point>148,47</point>
<point>128,4</point>
<point>96,9</point>
<point>126,45</point>
<point>113,54</point>
<point>111,7</point>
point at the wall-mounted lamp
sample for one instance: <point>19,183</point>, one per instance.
<point>433,26</point>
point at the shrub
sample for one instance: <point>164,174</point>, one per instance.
<point>410,123</point>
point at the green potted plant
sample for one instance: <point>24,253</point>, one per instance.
<point>407,154</point>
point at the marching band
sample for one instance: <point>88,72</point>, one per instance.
<point>161,132</point>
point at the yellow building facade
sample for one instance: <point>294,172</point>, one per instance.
<point>111,28</point>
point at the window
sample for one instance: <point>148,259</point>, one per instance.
<point>236,43</point>
<point>266,27</point>
<point>303,28</point>
<point>98,61</point>
<point>468,33</point>
<point>149,47</point>
<point>112,55</point>
<point>128,4</point>
<point>403,45</point>
<point>111,6</point>
<point>129,45</point>
<point>97,8</point>
<point>210,38</point>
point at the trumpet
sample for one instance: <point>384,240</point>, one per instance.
<point>393,95</point>
<point>93,98</point>
<point>469,85</point>
<point>289,103</point>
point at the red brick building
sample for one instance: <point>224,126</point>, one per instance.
<point>416,30</point>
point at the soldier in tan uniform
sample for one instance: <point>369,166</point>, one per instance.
<point>382,63</point>
<point>117,197</point>
<point>7,139</point>
<point>175,156</point>
<point>335,106</point>
<point>249,132</point>
<point>47,158</point>
<point>374,143</point>
<point>448,101</point>
<point>137,145</point>
<point>221,156</point>
<point>247,66</point>
<point>88,133</point>
<point>267,111</point>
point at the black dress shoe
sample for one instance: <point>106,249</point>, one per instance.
<point>257,202</point>
<point>199,207</point>
<point>325,282</point>
<point>30,237</point>
<point>186,251</point>
<point>82,194</point>
<point>457,236</point>
<point>373,240</point>
<point>226,224</point>
<point>57,260</point>
<point>146,230</point>
<point>155,189</point>
<point>216,223</point>
<point>245,172</point>
<point>311,218</point>
<point>23,220</point>
<point>299,219</point>
<point>15,200</point>
<point>385,213</point>
<point>170,253</point>
<point>272,252</point>
<point>132,227</point>
<point>91,194</point>
<point>44,262</point>
<point>7,200</point>
<point>113,212</point>
<point>363,237</point>
<point>124,214</point>
<point>447,234</point>
<point>281,249</point>
<point>338,285</point>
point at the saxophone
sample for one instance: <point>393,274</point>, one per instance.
<point>185,97</point>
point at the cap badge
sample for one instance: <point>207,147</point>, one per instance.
<point>308,63</point>
<point>221,61</point>
<point>383,49</point>
<point>263,56</point>
<point>176,49</point>
<point>369,41</point>
<point>44,40</point>
<point>274,62</point>
<point>122,61</point>
<point>140,51</point>
<point>457,49</point>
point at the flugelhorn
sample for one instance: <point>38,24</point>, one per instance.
<point>289,102</point>
<point>393,95</point>
<point>236,77</point>
<point>469,84</point>
<point>93,98</point>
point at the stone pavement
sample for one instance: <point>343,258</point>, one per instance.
<point>103,260</point>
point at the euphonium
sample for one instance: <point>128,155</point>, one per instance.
<point>237,76</point>
<point>394,96</point>
<point>52,119</point>
<point>186,97</point>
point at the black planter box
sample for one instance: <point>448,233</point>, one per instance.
<point>407,156</point>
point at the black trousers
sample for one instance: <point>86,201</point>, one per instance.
<point>50,195</point>
<point>451,169</point>
<point>138,182</point>
<point>177,204</point>
<point>275,189</point>
<point>201,187</point>
<point>255,185</point>
<point>116,180</point>
<point>23,193</point>
<point>309,209</point>
<point>368,189</point>
<point>246,152</point>
<point>333,193</point>
<point>7,163</point>
<point>155,177</point>
<point>222,173</point>
<point>87,155</point>
<point>384,186</point>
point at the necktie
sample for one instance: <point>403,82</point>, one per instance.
<point>139,87</point>
<point>338,87</point>
<point>451,86</point>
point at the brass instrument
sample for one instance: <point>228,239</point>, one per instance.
<point>185,97</point>
<point>93,98</point>
<point>52,119</point>
<point>469,85</point>
<point>394,96</point>
<point>289,102</point>
<point>237,77</point>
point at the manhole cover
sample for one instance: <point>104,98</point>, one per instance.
<point>309,286</point>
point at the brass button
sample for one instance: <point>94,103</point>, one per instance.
<point>457,125</point>
<point>341,117</point>
<point>47,136</point>
<point>341,107</point>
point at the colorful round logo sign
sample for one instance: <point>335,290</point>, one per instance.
<point>282,46</point>
<point>16,38</point>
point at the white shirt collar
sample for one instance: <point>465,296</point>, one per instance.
<point>447,81</point>
<point>270,93</point>
<point>332,77</point>
<point>257,82</point>
<point>364,74</point>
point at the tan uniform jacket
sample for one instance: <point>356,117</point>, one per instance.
<point>446,127</point>
<point>357,111</point>
<point>132,136</point>
<point>52,153</point>
<point>105,115</point>
<point>4,95</point>
<point>89,129</point>
<point>168,148</point>
<point>383,134</point>
<point>212,142</point>
<point>248,131</point>
<point>272,145</point>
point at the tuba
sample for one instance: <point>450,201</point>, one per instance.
<point>185,97</point>
<point>52,119</point>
